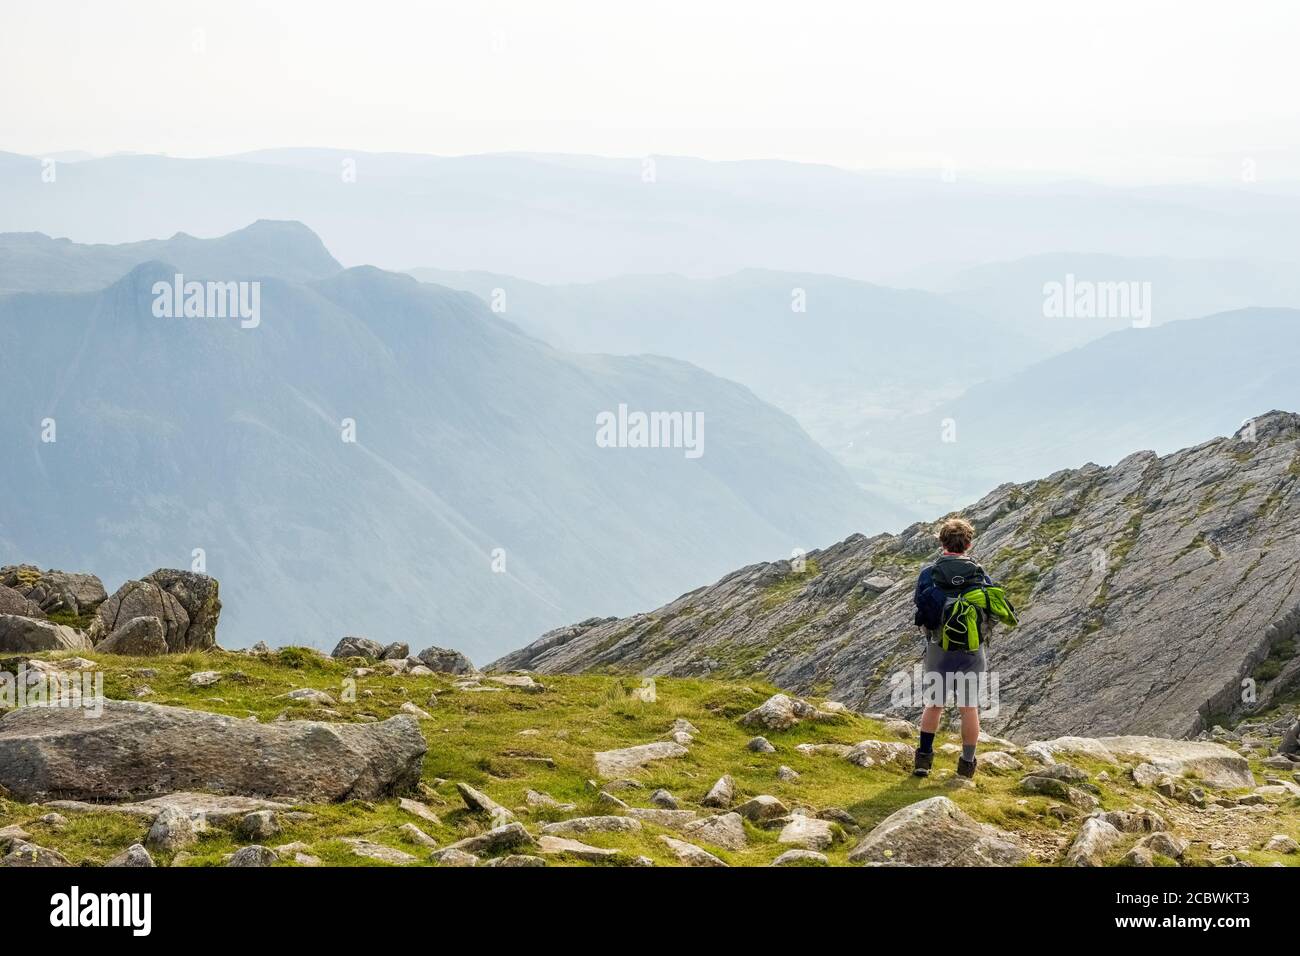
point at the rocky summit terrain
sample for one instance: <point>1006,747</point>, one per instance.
<point>291,758</point>
<point>1160,595</point>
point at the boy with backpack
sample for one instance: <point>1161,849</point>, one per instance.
<point>956,604</point>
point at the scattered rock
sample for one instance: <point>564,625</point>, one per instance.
<point>395,651</point>
<point>900,728</point>
<point>413,833</point>
<point>480,802</point>
<point>936,832</point>
<point>672,819</point>
<point>416,712</point>
<point>612,763</point>
<point>762,808</point>
<point>204,678</point>
<point>442,660</point>
<point>453,857</point>
<point>808,832</point>
<point>508,836</point>
<point>544,800</point>
<point>781,712</point>
<point>1164,844</point>
<point>1095,839</point>
<point>689,854</point>
<point>416,808</point>
<point>1280,843</point>
<point>760,745</point>
<point>358,647</point>
<point>561,846</point>
<point>22,854</point>
<point>801,858</point>
<point>787,774</point>
<point>722,793</point>
<point>662,798</point>
<point>133,856</point>
<point>873,753</point>
<point>377,851</point>
<point>258,826</point>
<point>726,830</point>
<point>604,824</point>
<point>172,829</point>
<point>997,761</point>
<point>253,856</point>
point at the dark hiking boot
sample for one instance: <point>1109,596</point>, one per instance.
<point>924,761</point>
<point>965,768</point>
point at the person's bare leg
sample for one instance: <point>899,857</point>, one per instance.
<point>930,717</point>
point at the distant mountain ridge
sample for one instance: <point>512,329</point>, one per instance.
<point>34,262</point>
<point>475,505</point>
<point>1153,594</point>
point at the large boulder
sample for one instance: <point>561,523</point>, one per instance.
<point>79,594</point>
<point>136,749</point>
<point>1211,764</point>
<point>143,599</point>
<point>138,637</point>
<point>352,646</point>
<point>936,832</point>
<point>781,712</point>
<point>443,660</point>
<point>25,635</point>
<point>15,602</point>
<point>200,596</point>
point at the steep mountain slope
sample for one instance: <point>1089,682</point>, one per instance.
<point>179,434</point>
<point>1148,591</point>
<point>583,218</point>
<point>1162,388</point>
<point>34,262</point>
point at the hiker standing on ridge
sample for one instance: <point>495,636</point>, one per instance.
<point>956,603</point>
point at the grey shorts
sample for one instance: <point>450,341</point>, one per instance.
<point>956,681</point>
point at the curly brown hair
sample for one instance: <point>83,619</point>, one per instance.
<point>956,534</point>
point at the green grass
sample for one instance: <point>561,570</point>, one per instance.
<point>479,738</point>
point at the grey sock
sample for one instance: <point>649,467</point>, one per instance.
<point>967,751</point>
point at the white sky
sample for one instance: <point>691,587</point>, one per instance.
<point>1131,90</point>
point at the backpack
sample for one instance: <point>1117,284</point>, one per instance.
<point>971,604</point>
<point>968,617</point>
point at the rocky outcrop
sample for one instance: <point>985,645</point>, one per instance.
<point>136,599</point>
<point>358,647</point>
<point>1212,764</point>
<point>140,750</point>
<point>138,637</point>
<point>442,660</point>
<point>200,596</point>
<point>936,832</point>
<point>1109,566</point>
<point>53,591</point>
<point>14,602</point>
<point>25,635</point>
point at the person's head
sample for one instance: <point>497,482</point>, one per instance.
<point>956,535</point>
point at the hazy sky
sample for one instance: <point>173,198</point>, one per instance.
<point>1143,90</point>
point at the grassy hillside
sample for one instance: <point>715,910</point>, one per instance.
<point>510,741</point>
